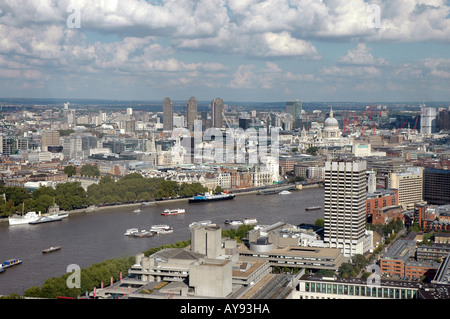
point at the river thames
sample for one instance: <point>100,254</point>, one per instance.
<point>88,238</point>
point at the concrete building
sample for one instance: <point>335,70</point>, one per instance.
<point>191,113</point>
<point>409,184</point>
<point>345,205</point>
<point>318,287</point>
<point>428,122</point>
<point>294,108</point>
<point>167,114</point>
<point>217,113</point>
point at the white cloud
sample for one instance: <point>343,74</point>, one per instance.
<point>361,56</point>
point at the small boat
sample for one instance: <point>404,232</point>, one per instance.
<point>250,221</point>
<point>51,249</point>
<point>131,231</point>
<point>234,222</point>
<point>137,210</point>
<point>284,192</point>
<point>144,233</point>
<point>313,208</point>
<point>176,211</point>
<point>161,229</point>
<point>202,223</point>
<point>10,263</point>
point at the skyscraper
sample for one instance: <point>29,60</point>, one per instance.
<point>191,113</point>
<point>167,114</point>
<point>345,205</point>
<point>216,113</point>
<point>294,108</point>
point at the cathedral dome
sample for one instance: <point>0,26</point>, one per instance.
<point>331,122</point>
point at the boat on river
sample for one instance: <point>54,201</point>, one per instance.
<point>143,233</point>
<point>161,229</point>
<point>10,263</point>
<point>234,222</point>
<point>49,218</point>
<point>207,197</point>
<point>23,219</point>
<point>176,211</point>
<point>313,208</point>
<point>51,249</point>
<point>284,192</point>
<point>202,223</point>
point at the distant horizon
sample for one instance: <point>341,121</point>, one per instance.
<point>74,100</point>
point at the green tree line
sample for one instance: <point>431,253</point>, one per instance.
<point>71,195</point>
<point>92,276</point>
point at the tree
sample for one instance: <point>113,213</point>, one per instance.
<point>70,170</point>
<point>312,150</point>
<point>320,222</point>
<point>89,170</point>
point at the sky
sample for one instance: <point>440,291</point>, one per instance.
<point>238,50</point>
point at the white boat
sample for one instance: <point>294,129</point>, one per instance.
<point>176,211</point>
<point>250,221</point>
<point>202,223</point>
<point>131,231</point>
<point>137,210</point>
<point>234,222</point>
<point>161,229</point>
<point>23,219</point>
<point>49,218</point>
<point>285,193</point>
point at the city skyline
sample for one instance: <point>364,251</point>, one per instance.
<point>239,50</point>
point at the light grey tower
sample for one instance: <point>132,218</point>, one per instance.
<point>167,114</point>
<point>345,205</point>
<point>217,113</point>
<point>191,113</point>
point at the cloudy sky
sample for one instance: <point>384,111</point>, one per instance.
<point>239,50</point>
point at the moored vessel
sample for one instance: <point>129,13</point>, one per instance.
<point>23,219</point>
<point>234,222</point>
<point>250,221</point>
<point>313,208</point>
<point>207,197</point>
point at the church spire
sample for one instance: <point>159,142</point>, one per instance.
<point>331,111</point>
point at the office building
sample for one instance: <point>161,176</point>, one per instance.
<point>167,114</point>
<point>191,113</point>
<point>50,138</point>
<point>217,113</point>
<point>428,121</point>
<point>436,186</point>
<point>410,186</point>
<point>345,205</point>
<point>294,108</point>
